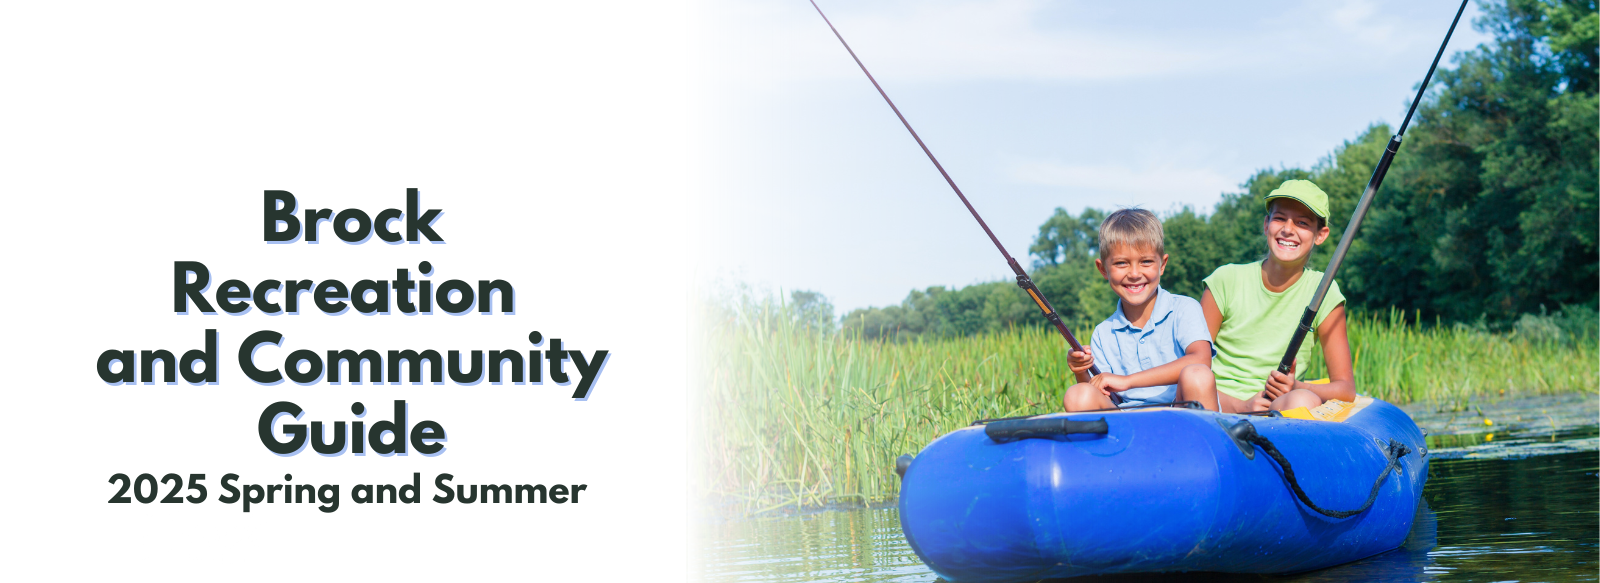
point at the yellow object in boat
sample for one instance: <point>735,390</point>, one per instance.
<point>1297,413</point>
<point>1333,410</point>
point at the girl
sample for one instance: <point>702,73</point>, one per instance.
<point>1253,309</point>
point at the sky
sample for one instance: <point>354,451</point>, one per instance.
<point>809,182</point>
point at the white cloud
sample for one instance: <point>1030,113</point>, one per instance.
<point>1032,40</point>
<point>941,41</point>
<point>1155,187</point>
<point>1002,40</point>
<point>1364,29</point>
<point>1357,18</point>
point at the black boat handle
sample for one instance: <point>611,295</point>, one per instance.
<point>1012,430</point>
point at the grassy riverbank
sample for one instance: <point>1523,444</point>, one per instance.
<point>791,415</point>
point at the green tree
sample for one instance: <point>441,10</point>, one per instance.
<point>809,309</point>
<point>1064,238</point>
<point>1195,248</point>
<point>1490,209</point>
<point>1077,291</point>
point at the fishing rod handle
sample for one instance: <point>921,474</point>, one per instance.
<point>1072,341</point>
<point>1299,337</point>
<point>1026,283</point>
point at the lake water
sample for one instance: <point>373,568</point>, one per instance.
<point>1490,515</point>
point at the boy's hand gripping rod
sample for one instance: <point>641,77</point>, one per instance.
<point>1023,281</point>
<point>1361,209</point>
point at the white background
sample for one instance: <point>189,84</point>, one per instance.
<point>556,137</point>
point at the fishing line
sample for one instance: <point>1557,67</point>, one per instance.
<point>1023,281</point>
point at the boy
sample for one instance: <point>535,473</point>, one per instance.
<point>1155,348</point>
<point>1253,308</point>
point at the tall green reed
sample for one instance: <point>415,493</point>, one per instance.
<point>1402,362</point>
<point>797,415</point>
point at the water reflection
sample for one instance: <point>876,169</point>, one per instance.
<point>1530,519</point>
<point>860,545</point>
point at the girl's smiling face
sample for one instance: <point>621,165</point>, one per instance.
<point>1292,231</point>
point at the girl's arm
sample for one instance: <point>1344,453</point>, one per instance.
<point>1208,305</point>
<point>1336,352</point>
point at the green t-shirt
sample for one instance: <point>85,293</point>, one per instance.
<point>1257,325</point>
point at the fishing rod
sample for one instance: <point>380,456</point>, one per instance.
<point>1023,281</point>
<point>1361,208</point>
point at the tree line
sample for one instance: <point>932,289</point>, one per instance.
<point>1488,214</point>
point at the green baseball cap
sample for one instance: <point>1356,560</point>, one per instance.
<point>1305,192</point>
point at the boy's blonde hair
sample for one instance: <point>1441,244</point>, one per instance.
<point>1137,228</point>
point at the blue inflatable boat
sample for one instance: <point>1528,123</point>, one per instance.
<point>1163,490</point>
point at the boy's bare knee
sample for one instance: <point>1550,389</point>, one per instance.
<point>1197,383</point>
<point>1083,397</point>
<point>1197,374</point>
<point>1074,395</point>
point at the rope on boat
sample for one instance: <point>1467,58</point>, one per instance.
<point>1246,432</point>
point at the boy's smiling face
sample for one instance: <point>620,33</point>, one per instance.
<point>1133,272</point>
<point>1292,231</point>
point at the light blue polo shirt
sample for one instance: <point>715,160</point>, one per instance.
<point>1121,349</point>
